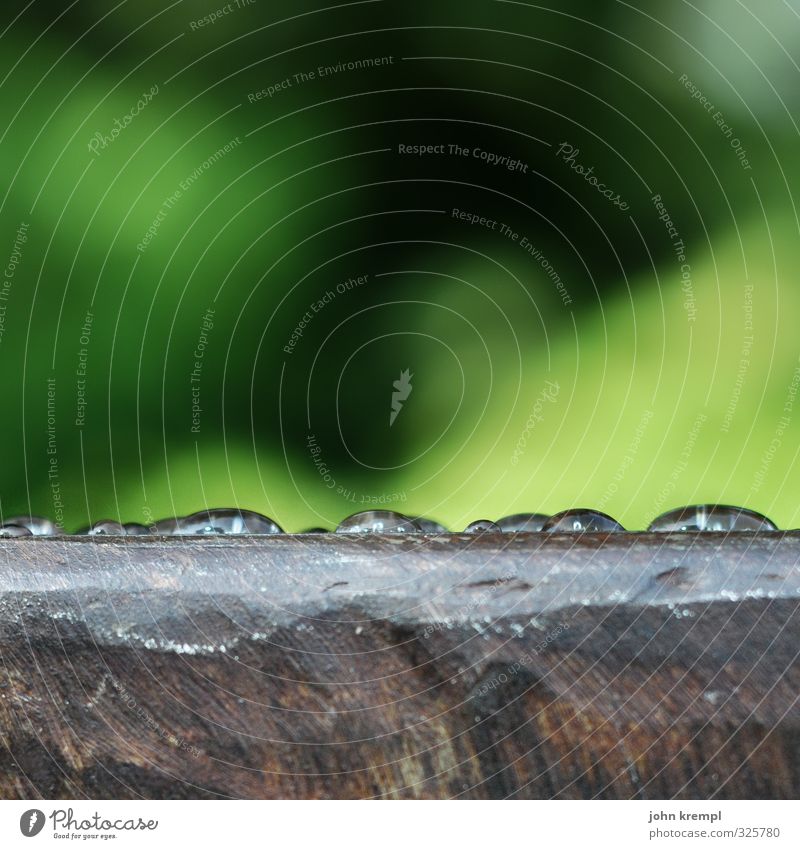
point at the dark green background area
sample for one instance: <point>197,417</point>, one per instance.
<point>664,398</point>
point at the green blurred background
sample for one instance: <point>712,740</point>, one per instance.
<point>596,368</point>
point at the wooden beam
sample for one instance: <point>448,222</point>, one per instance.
<point>337,666</point>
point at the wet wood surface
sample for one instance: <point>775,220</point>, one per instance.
<point>329,666</point>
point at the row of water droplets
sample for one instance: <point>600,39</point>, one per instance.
<point>699,517</point>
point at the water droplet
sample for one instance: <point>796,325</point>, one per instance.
<point>711,517</point>
<point>482,526</point>
<point>581,521</point>
<point>428,526</point>
<point>8,531</point>
<point>165,527</point>
<point>523,522</point>
<point>103,528</point>
<point>377,522</point>
<point>226,521</point>
<point>38,526</point>
<point>135,529</point>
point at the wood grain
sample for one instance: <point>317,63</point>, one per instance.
<point>329,666</point>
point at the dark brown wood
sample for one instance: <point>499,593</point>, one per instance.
<point>526,666</point>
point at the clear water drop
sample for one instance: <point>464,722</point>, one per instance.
<point>135,529</point>
<point>377,522</point>
<point>711,517</point>
<point>166,527</point>
<point>226,521</point>
<point>523,522</point>
<point>483,526</point>
<point>105,527</point>
<point>9,531</point>
<point>37,525</point>
<point>581,521</point>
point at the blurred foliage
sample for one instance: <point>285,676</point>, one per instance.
<point>313,192</point>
